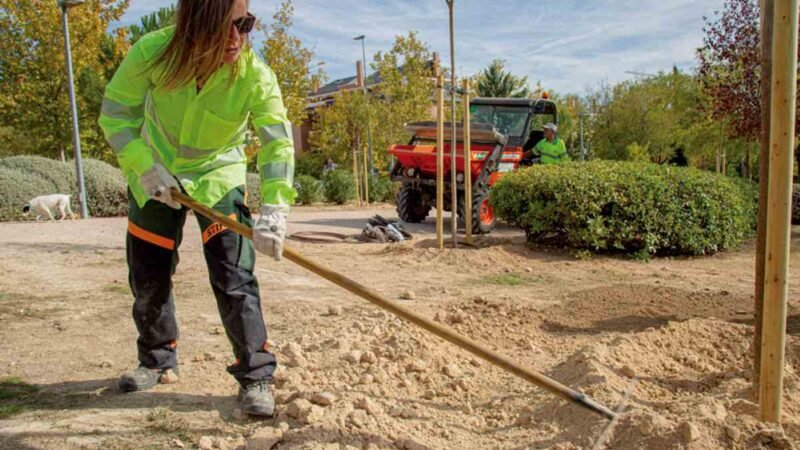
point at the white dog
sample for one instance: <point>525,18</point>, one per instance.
<point>45,204</point>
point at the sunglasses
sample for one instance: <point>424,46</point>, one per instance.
<point>245,24</point>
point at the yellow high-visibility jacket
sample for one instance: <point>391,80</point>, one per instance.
<point>198,137</point>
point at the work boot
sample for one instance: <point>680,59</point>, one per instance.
<point>256,399</point>
<point>143,378</point>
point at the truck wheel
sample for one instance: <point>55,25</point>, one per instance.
<point>410,206</point>
<point>483,218</point>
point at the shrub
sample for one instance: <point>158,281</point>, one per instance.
<point>309,190</point>
<point>637,208</point>
<point>796,204</point>
<point>60,176</point>
<point>381,189</point>
<point>339,186</point>
<point>309,164</point>
<point>16,189</point>
<point>106,189</point>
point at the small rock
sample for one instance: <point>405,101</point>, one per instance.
<point>418,366</point>
<point>369,358</point>
<point>169,377</point>
<point>314,415</point>
<point>353,357</point>
<point>208,356</point>
<point>366,379</point>
<point>368,405</point>
<point>323,398</point>
<point>265,438</point>
<point>529,269</point>
<point>292,349</point>
<point>401,412</point>
<point>430,394</point>
<point>217,330</point>
<point>357,418</point>
<point>283,426</point>
<point>452,371</point>
<point>297,408</point>
<point>106,365</point>
<point>628,371</point>
<point>334,310</point>
<point>408,295</point>
<point>458,317</point>
<point>689,431</point>
<point>733,433</point>
<point>205,443</point>
<point>178,443</point>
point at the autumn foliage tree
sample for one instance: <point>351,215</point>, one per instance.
<point>34,101</point>
<point>730,67</point>
<point>289,59</point>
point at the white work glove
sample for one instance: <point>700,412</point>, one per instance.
<point>270,230</point>
<point>157,183</point>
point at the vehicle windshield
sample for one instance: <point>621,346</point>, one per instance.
<point>509,120</point>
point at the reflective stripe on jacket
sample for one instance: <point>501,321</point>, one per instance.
<point>551,153</point>
<point>198,137</point>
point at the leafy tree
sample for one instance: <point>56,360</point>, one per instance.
<point>290,60</point>
<point>404,95</point>
<point>152,22</point>
<point>34,101</point>
<point>495,81</point>
<point>653,116</point>
<point>730,62</point>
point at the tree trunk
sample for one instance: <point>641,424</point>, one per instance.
<point>767,11</point>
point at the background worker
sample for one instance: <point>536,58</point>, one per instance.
<point>551,149</point>
<point>176,113</point>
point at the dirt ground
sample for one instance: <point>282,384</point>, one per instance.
<point>354,377</point>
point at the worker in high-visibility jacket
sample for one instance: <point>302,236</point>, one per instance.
<point>176,114</point>
<point>551,149</point>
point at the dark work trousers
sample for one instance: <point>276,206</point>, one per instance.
<point>154,235</point>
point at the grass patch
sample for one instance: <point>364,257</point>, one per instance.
<point>13,390</point>
<point>513,279</point>
<point>7,411</point>
<point>165,421</point>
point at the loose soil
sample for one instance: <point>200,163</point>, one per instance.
<point>670,339</point>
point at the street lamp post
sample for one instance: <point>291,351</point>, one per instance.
<point>453,145</point>
<point>76,137</point>
<point>363,39</point>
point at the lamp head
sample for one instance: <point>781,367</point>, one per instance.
<point>359,38</point>
<point>66,4</point>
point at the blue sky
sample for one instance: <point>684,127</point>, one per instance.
<point>568,45</point>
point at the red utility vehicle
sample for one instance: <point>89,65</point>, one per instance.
<point>502,130</point>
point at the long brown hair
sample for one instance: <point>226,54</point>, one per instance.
<point>197,49</point>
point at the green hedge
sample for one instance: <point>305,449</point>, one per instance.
<point>59,176</point>
<point>16,189</point>
<point>631,207</point>
<point>106,189</point>
<point>309,190</point>
<point>26,177</point>
<point>381,189</point>
<point>339,186</point>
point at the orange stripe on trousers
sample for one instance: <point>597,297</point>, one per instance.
<point>152,238</point>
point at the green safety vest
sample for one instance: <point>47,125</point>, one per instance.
<point>198,137</point>
<point>551,152</point>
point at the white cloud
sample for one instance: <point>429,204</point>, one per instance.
<point>566,44</point>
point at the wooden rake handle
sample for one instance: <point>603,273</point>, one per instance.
<point>442,331</point>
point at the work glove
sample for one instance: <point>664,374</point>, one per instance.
<point>157,182</point>
<point>270,230</point>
